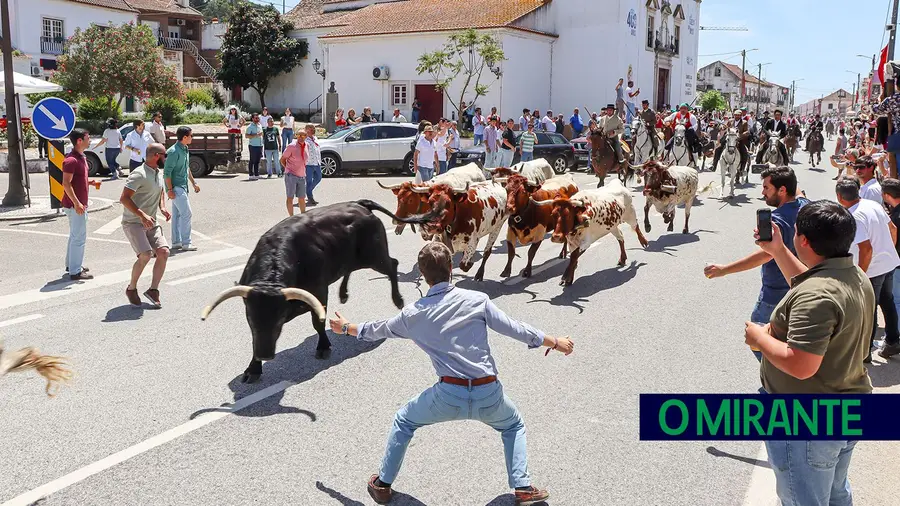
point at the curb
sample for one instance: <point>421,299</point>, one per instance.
<point>94,204</point>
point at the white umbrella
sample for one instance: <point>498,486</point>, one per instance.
<point>25,85</point>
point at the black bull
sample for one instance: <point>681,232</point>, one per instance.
<point>296,260</point>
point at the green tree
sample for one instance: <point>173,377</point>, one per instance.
<point>712,100</point>
<point>101,62</point>
<point>464,56</point>
<point>220,9</point>
<point>257,48</point>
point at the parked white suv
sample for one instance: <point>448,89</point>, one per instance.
<point>367,147</point>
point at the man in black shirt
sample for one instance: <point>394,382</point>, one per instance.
<point>508,143</point>
<point>890,189</point>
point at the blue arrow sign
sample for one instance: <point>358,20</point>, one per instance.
<point>53,118</point>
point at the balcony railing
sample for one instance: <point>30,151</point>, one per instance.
<point>52,45</point>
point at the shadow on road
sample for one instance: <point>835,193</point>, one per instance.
<point>399,498</point>
<point>588,286</point>
<point>510,500</point>
<point>816,169</point>
<point>736,201</point>
<point>884,375</point>
<point>296,365</point>
<point>715,452</point>
<point>123,313</point>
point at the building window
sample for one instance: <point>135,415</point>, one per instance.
<point>398,95</point>
<point>48,64</point>
<point>830,106</point>
<point>52,29</point>
<point>651,29</point>
<point>677,37</point>
<point>307,47</point>
<point>718,72</point>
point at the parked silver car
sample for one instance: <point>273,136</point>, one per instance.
<point>367,147</point>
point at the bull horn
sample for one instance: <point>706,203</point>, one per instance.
<point>669,188</point>
<point>541,202</point>
<point>421,189</point>
<point>464,190</point>
<point>491,170</point>
<point>641,166</point>
<point>500,180</point>
<point>235,291</point>
<point>392,187</point>
<point>307,298</point>
<point>577,203</point>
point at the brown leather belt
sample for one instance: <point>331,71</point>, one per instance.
<point>468,383</point>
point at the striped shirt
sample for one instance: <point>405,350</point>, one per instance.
<point>527,142</point>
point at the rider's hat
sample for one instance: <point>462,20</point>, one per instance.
<point>737,111</point>
<point>610,106</point>
<point>779,111</point>
<point>645,101</point>
<point>683,104</point>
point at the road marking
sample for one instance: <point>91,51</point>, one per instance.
<point>208,238</point>
<point>113,278</point>
<point>205,275</point>
<point>110,227</point>
<point>55,234</point>
<point>117,458</point>
<point>543,267</point>
<point>761,491</point>
<point>21,319</point>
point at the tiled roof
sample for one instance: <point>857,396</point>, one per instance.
<point>119,5</point>
<point>413,16</point>
<point>308,14</point>
<point>168,6</point>
<point>748,79</point>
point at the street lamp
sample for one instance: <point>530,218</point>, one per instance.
<point>318,65</point>
<point>495,70</point>
<point>856,92</point>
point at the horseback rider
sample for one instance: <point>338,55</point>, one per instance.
<point>815,125</point>
<point>740,124</point>
<point>780,128</point>
<point>691,123</point>
<point>610,124</point>
<point>648,116</point>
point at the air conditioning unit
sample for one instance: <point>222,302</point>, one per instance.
<point>180,22</point>
<point>380,73</point>
<point>36,71</point>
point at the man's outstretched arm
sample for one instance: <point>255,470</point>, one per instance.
<point>499,322</point>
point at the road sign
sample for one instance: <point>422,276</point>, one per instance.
<point>53,118</point>
<point>55,157</point>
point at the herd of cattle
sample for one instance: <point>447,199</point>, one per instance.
<point>295,262</point>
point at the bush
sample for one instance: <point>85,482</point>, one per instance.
<point>200,114</point>
<point>198,96</point>
<point>93,126</point>
<point>128,117</point>
<point>29,136</point>
<point>171,109</point>
<point>217,97</point>
<point>98,108</point>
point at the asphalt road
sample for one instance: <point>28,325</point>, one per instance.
<point>147,420</point>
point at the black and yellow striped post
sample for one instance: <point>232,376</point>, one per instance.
<point>55,157</point>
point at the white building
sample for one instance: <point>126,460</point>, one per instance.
<point>837,102</point>
<point>561,54</point>
<point>726,78</point>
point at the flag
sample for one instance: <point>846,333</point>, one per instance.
<point>881,63</point>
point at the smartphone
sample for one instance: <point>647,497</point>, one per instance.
<point>764,224</point>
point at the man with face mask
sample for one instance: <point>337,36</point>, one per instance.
<point>780,192</point>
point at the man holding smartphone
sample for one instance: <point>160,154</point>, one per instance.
<point>780,192</point>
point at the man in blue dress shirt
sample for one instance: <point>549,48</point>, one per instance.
<point>451,324</point>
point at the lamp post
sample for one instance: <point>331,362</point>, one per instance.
<point>794,91</point>
<point>841,95</point>
<point>857,85</point>
<point>317,66</point>
<point>871,75</point>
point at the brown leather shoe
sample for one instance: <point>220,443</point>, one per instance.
<point>133,297</point>
<point>529,497</point>
<point>153,296</point>
<point>381,495</point>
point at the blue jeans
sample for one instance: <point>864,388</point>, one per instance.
<point>77,240</point>
<point>415,116</point>
<point>181,218</point>
<point>426,172</point>
<point>444,402</point>
<point>506,157</point>
<point>479,138</point>
<point>442,166</point>
<point>527,156</point>
<point>313,178</point>
<point>256,153</point>
<point>110,154</point>
<point>272,159</point>
<point>762,311</point>
<point>629,113</point>
<point>287,135</point>
<point>811,473</point>
<point>895,286</point>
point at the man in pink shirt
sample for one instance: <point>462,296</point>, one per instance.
<point>294,161</point>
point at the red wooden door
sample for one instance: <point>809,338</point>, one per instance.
<point>432,102</point>
<point>662,89</point>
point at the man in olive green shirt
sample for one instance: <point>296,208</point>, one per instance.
<point>815,343</point>
<point>177,173</point>
<point>141,198</point>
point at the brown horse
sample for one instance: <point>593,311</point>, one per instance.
<point>792,141</point>
<point>604,159</point>
<point>815,145</point>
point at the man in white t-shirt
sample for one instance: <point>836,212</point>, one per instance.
<point>547,122</point>
<point>441,143</point>
<point>873,248</point>
<point>630,105</point>
<point>136,143</point>
<point>397,117</point>
<point>425,158</point>
<point>869,189</point>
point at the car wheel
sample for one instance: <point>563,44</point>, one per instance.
<point>330,165</point>
<point>408,168</point>
<point>560,165</point>
<point>94,165</point>
<point>197,166</point>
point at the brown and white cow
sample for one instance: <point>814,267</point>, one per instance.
<point>536,171</point>
<point>412,199</point>
<point>667,187</point>
<point>465,216</point>
<point>588,216</point>
<point>529,223</point>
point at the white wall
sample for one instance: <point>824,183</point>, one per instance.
<point>26,21</point>
<point>211,35</point>
<point>526,82</point>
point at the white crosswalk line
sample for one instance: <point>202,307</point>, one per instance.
<point>55,234</point>
<point>205,275</point>
<point>110,227</point>
<point>21,319</point>
<point>113,278</point>
<point>761,491</point>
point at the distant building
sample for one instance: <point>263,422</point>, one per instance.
<point>757,94</point>
<point>837,102</point>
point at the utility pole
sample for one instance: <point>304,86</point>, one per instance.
<point>888,87</point>
<point>758,87</point>
<point>793,90</point>
<point>15,195</point>
<point>743,73</point>
<point>857,92</point>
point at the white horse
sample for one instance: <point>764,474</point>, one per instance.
<point>680,155</point>
<point>643,143</point>
<point>772,154</point>
<point>731,159</point>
